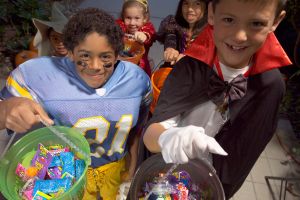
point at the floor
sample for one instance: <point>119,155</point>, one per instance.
<point>272,162</point>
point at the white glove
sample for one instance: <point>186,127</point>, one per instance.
<point>179,144</point>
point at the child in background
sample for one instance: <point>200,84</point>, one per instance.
<point>48,39</point>
<point>223,97</point>
<point>135,23</point>
<point>177,32</point>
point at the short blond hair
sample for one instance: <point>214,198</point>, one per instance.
<point>141,3</point>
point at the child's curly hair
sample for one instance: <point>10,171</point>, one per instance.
<point>91,20</point>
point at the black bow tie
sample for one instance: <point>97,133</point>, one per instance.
<point>219,90</point>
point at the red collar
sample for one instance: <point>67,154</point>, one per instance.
<point>271,55</point>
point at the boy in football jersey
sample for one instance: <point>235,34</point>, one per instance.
<point>106,99</point>
<point>223,96</point>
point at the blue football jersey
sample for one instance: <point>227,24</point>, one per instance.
<point>105,115</point>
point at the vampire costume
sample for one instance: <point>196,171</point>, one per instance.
<point>252,116</point>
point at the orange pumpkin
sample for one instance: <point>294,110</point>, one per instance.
<point>157,80</point>
<point>135,48</point>
<point>24,56</point>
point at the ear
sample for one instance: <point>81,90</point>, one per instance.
<point>146,18</point>
<point>277,20</point>
<point>210,14</point>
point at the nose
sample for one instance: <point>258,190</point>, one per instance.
<point>190,7</point>
<point>240,35</point>
<point>132,22</point>
<point>96,64</point>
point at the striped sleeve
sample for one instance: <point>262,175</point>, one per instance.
<point>16,85</point>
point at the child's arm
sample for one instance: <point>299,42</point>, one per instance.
<point>133,151</point>
<point>121,24</point>
<point>168,32</point>
<point>18,110</point>
<point>151,137</point>
<point>20,114</point>
<point>149,30</point>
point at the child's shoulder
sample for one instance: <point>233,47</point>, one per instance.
<point>148,27</point>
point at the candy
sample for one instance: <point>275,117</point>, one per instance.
<point>31,172</point>
<point>67,159</point>
<point>177,186</point>
<point>41,160</point>
<point>52,186</point>
<point>79,168</point>
<point>52,172</point>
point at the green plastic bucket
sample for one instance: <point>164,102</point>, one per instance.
<point>22,152</point>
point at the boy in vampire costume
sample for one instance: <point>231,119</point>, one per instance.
<point>223,96</point>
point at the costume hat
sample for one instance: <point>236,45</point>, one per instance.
<point>57,21</point>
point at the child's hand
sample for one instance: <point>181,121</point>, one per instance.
<point>20,114</point>
<point>140,36</point>
<point>179,144</point>
<point>179,57</point>
<point>171,55</point>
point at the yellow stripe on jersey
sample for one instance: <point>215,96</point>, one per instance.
<point>21,90</point>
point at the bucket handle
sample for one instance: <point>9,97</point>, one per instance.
<point>8,145</point>
<point>4,152</point>
<point>157,66</point>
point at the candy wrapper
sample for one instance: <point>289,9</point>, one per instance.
<point>54,172</point>
<point>52,186</point>
<point>67,159</point>
<point>41,196</point>
<point>79,168</point>
<point>41,161</point>
<point>21,172</point>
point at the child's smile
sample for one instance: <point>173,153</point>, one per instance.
<point>240,29</point>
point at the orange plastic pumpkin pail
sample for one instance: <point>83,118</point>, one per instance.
<point>133,51</point>
<point>157,80</point>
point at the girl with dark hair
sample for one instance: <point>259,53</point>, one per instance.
<point>177,32</point>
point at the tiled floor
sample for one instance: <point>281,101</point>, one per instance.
<point>272,162</point>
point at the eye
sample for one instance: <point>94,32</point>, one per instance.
<point>258,24</point>
<point>198,3</point>
<point>227,20</point>
<point>84,56</point>
<point>106,58</point>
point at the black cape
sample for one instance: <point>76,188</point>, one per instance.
<point>253,119</point>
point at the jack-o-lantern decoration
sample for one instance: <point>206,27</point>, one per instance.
<point>24,56</point>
